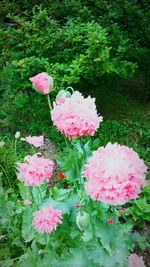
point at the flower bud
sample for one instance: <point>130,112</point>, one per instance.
<point>82,220</point>
<point>2,143</point>
<point>42,83</point>
<point>17,135</point>
<point>63,94</point>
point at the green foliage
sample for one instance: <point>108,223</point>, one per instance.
<point>111,131</point>
<point>68,49</point>
<point>8,159</point>
<point>140,241</point>
<point>140,211</point>
<point>78,51</point>
<point>12,244</point>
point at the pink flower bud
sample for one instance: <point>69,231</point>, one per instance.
<point>42,83</point>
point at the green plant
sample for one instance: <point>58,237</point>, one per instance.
<point>8,158</point>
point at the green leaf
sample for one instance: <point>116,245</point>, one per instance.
<point>76,257</point>
<point>100,256</point>
<point>27,227</point>
<point>49,202</point>
<point>112,237</point>
<point>105,232</point>
<point>74,232</point>
<point>68,164</point>
<point>87,235</point>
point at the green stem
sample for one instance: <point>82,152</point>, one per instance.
<point>69,87</point>
<point>15,145</point>
<point>92,226</point>
<point>40,193</point>
<point>114,218</point>
<point>78,173</point>
<point>46,236</point>
<point>49,102</point>
<point>32,197</point>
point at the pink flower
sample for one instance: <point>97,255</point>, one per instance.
<point>46,220</point>
<point>36,141</point>
<point>27,202</point>
<point>35,170</point>
<point>76,116</point>
<point>115,174</point>
<point>135,261</point>
<point>42,83</point>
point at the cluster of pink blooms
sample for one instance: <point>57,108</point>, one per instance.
<point>135,261</point>
<point>36,141</point>
<point>35,170</point>
<point>76,116</point>
<point>115,174</point>
<point>46,220</point>
<point>42,83</point>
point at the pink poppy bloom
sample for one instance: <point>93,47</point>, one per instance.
<point>42,83</point>
<point>135,261</point>
<point>46,220</point>
<point>36,141</point>
<point>115,174</point>
<point>27,202</point>
<point>35,170</point>
<point>76,116</point>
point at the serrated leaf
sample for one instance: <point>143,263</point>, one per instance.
<point>101,257</point>
<point>69,165</point>
<point>76,258</point>
<point>74,232</point>
<point>27,227</point>
<point>105,232</point>
<point>112,237</point>
<point>87,235</point>
<point>51,203</point>
<point>61,194</point>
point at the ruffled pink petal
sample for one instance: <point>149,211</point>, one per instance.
<point>115,174</point>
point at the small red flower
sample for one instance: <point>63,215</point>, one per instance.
<point>78,205</point>
<point>122,210</point>
<point>61,176</point>
<point>110,221</point>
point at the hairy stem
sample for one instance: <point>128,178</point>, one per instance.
<point>49,102</point>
